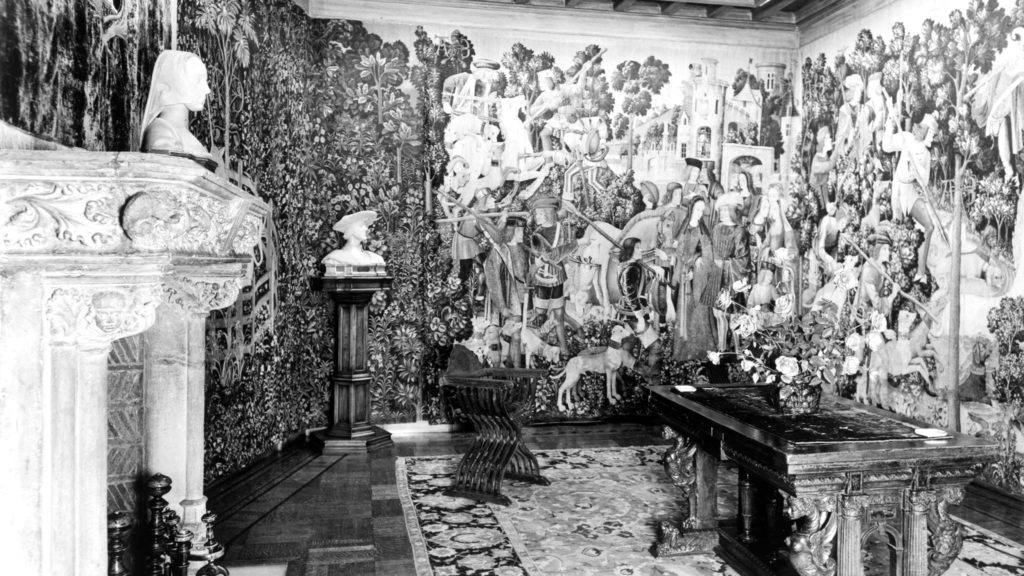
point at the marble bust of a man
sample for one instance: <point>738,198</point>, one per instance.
<point>352,258</point>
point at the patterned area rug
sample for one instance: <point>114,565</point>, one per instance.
<point>598,517</point>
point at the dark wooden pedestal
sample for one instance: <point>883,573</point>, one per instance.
<point>350,429</point>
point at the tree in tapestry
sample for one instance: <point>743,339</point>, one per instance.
<point>911,160</point>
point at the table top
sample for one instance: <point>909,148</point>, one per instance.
<point>842,435</point>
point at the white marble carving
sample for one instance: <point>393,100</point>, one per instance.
<point>352,259</point>
<point>178,86</point>
<point>43,215</point>
<point>96,246</point>
<point>130,202</point>
<point>201,295</point>
<point>100,315</point>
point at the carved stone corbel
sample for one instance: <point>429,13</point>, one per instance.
<point>200,295</point>
<point>810,547</point>
<point>93,317</point>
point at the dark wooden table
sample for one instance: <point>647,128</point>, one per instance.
<point>814,488</point>
<point>498,402</point>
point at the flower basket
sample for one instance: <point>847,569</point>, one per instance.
<point>792,400</point>
<point>797,357</point>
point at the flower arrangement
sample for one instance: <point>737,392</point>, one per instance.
<point>801,356</point>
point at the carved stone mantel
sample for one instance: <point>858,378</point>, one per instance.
<point>97,246</point>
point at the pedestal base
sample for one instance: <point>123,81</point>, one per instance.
<point>681,541</point>
<point>750,561</point>
<point>377,440</point>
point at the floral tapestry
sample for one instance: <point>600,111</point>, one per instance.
<point>910,208</point>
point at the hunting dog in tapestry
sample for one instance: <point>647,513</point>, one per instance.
<point>607,360</point>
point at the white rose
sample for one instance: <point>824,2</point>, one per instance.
<point>724,300</point>
<point>855,342</point>
<point>784,304</point>
<point>875,341</point>
<point>788,367</point>
<point>747,365</point>
<point>851,365</point>
<point>743,325</point>
<point>878,322</point>
<point>715,357</point>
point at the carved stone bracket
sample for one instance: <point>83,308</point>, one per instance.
<point>200,295</point>
<point>810,547</point>
<point>95,316</point>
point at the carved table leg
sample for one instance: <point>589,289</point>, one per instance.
<point>810,547</point>
<point>747,510</point>
<point>850,543</point>
<point>934,539</point>
<point>695,472</point>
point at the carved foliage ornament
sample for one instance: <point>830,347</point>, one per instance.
<point>945,535</point>
<point>248,235</point>
<point>44,215</point>
<point>810,547</point>
<point>201,296</point>
<point>167,220</point>
<point>100,315</point>
<point>679,461</point>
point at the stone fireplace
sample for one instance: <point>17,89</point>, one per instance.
<point>109,265</point>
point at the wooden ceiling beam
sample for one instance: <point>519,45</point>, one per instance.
<point>671,8</point>
<point>719,11</point>
<point>716,3</point>
<point>771,8</point>
<point>685,9</point>
<point>730,13</point>
<point>813,9</point>
<point>567,17</point>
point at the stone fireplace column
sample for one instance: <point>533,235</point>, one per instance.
<point>56,334</point>
<point>175,379</point>
<point>94,246</point>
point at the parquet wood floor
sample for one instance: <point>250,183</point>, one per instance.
<point>340,515</point>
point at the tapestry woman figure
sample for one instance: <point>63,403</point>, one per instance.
<point>695,331</point>
<point>729,262</point>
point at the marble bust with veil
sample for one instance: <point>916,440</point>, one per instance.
<point>178,87</point>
